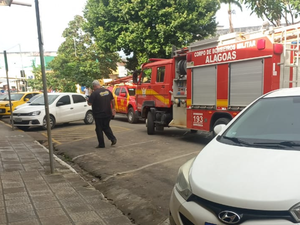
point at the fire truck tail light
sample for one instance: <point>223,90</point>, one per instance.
<point>278,49</point>
<point>189,57</point>
<point>261,44</point>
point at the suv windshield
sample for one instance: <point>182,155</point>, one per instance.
<point>268,123</point>
<point>33,98</point>
<point>40,100</point>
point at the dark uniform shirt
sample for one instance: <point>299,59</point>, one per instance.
<point>100,100</point>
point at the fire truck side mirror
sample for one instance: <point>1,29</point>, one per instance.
<point>135,76</point>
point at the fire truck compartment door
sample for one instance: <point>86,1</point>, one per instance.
<point>204,85</point>
<point>245,81</point>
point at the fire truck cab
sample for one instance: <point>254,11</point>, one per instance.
<point>212,80</point>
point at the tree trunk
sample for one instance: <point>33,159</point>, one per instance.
<point>231,30</point>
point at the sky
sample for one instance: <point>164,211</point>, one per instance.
<point>18,27</point>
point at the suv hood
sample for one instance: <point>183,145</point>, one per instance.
<point>30,108</point>
<point>244,177</point>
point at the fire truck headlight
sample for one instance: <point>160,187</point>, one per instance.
<point>183,184</point>
<point>176,101</point>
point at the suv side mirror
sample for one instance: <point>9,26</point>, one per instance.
<point>219,128</point>
<point>26,99</point>
<point>122,94</point>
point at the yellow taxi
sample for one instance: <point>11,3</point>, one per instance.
<point>17,98</point>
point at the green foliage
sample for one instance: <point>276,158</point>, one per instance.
<point>52,82</point>
<point>149,28</point>
<point>79,60</point>
<point>275,11</point>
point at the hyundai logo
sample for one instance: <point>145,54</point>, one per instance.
<point>229,217</point>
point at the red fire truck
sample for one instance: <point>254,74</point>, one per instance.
<point>124,94</point>
<point>212,80</point>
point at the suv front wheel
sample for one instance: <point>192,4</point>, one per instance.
<point>89,118</point>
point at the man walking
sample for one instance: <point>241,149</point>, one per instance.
<point>103,107</point>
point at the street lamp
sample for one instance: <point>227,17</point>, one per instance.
<point>39,30</point>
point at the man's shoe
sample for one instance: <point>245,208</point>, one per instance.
<point>99,146</point>
<point>113,142</point>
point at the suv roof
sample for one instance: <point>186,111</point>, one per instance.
<point>284,92</point>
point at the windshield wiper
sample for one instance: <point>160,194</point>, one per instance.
<point>280,143</point>
<point>237,141</point>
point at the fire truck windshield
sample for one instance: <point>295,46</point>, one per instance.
<point>131,91</point>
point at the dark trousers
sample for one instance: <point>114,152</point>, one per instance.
<point>102,125</point>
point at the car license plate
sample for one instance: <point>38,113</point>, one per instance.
<point>18,119</point>
<point>207,223</point>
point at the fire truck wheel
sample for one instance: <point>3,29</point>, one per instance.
<point>150,124</point>
<point>131,116</point>
<point>220,121</point>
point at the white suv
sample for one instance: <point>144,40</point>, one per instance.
<point>63,108</point>
<point>249,173</point>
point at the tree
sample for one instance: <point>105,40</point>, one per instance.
<point>231,2</point>
<point>276,10</point>
<point>52,81</point>
<point>149,28</point>
<point>79,60</point>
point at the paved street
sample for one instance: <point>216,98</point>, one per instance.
<point>31,195</point>
<point>138,174</point>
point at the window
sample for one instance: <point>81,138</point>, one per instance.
<point>29,96</point>
<point>40,100</point>
<point>78,98</point>
<point>131,91</point>
<point>65,100</point>
<point>160,76</point>
<point>124,91</point>
<point>117,91</point>
<point>147,75</point>
<point>269,119</point>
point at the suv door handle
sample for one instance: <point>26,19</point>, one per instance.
<point>163,86</point>
<point>71,108</point>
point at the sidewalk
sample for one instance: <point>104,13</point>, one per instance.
<point>30,195</point>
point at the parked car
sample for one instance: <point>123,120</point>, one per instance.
<point>28,102</point>
<point>248,174</point>
<point>124,95</point>
<point>63,108</point>
<point>17,98</point>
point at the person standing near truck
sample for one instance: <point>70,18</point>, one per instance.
<point>103,107</point>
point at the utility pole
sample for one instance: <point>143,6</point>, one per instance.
<point>41,44</point>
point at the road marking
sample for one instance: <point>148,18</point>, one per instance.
<point>151,164</point>
<point>76,157</point>
<point>60,137</point>
<point>124,128</point>
<point>122,146</point>
<point>55,141</point>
